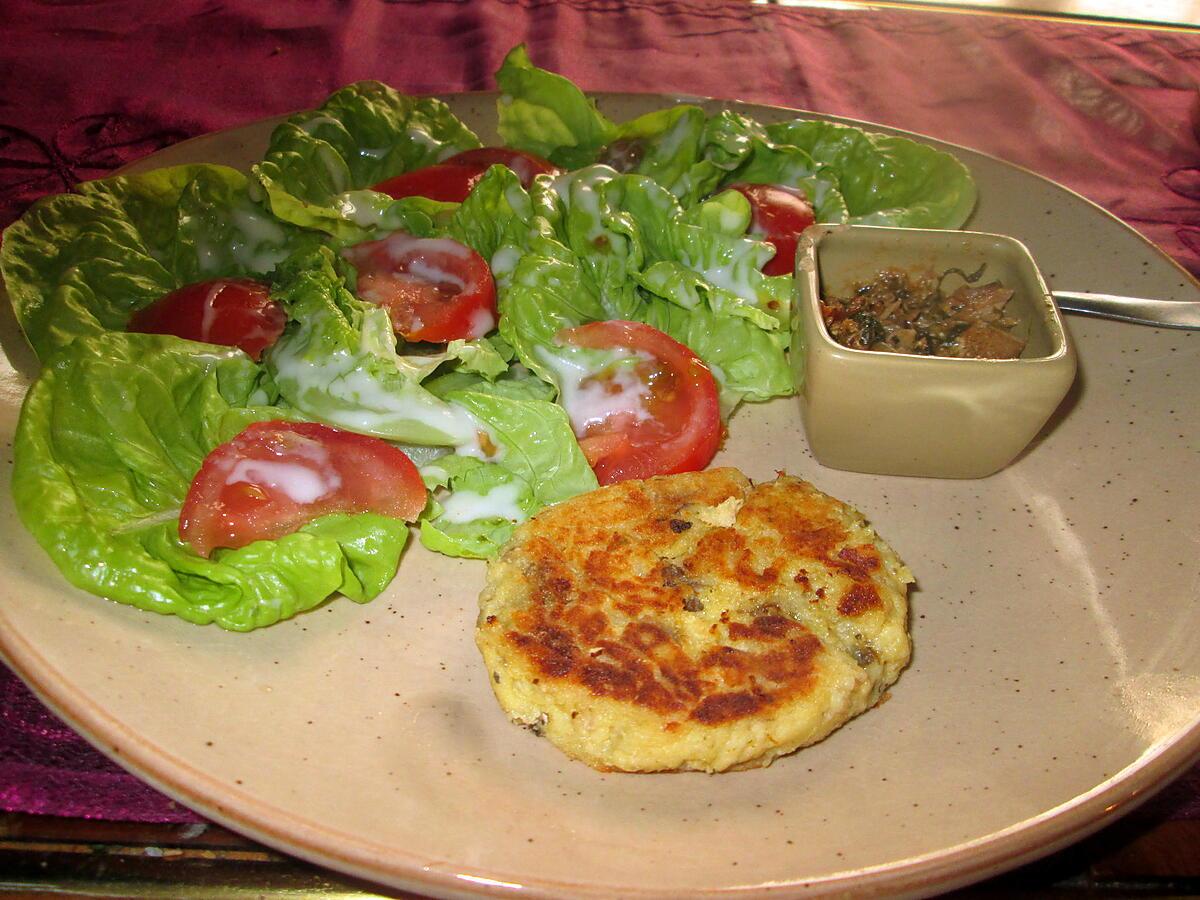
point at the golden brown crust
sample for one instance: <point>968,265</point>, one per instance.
<point>689,599</point>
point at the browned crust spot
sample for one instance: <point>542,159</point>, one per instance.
<point>612,629</point>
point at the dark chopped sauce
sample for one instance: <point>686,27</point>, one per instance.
<point>903,312</point>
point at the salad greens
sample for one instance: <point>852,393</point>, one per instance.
<point>79,264</point>
<point>319,163</point>
<point>110,437</point>
<point>847,174</point>
<point>639,227</point>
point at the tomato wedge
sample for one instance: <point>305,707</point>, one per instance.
<point>235,312</point>
<point>276,476</point>
<point>447,183</point>
<point>451,180</point>
<point>651,410</point>
<point>780,214</point>
<point>525,165</point>
<point>434,289</point>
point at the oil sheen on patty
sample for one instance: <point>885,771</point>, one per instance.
<point>693,622</point>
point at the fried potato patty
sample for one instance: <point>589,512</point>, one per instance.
<point>693,622</point>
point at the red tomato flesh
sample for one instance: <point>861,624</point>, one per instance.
<point>234,312</point>
<point>660,416</point>
<point>434,289</point>
<point>451,180</point>
<point>276,476</point>
<point>447,183</point>
<point>780,214</point>
<point>524,165</point>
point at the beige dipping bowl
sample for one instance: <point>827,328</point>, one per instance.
<point>903,414</point>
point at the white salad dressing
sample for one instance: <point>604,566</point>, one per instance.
<point>515,194</point>
<point>365,405</point>
<point>261,244</point>
<point>207,260</point>
<point>589,400</point>
<point>422,138</point>
<point>498,503</point>
<point>399,244</point>
<point>300,483</point>
<point>209,316</point>
<point>728,276</point>
<point>577,191</point>
<point>504,260</point>
<point>669,142</point>
<point>482,321</point>
<point>730,219</point>
<point>310,126</point>
<point>334,166</point>
<point>359,209</point>
<point>426,271</point>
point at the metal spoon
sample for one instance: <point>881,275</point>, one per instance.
<point>1163,313</point>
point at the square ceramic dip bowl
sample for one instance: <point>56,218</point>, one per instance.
<point>905,410</point>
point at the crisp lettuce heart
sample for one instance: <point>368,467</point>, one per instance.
<point>109,439</point>
<point>320,164</point>
<point>81,263</point>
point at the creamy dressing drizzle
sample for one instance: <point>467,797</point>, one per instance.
<point>498,503</point>
<point>208,318</point>
<point>730,219</point>
<point>309,126</point>
<point>677,135</point>
<point>426,271</point>
<point>365,406</point>
<point>504,261</point>
<point>300,483</point>
<point>482,321</point>
<point>260,244</point>
<point>590,400</point>
<point>399,243</point>
<point>366,215</point>
<point>728,276</point>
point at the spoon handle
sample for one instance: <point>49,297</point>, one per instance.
<point>1164,313</point>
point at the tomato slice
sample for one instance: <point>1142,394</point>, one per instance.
<point>780,215</point>
<point>524,165</point>
<point>451,180</point>
<point>235,312</point>
<point>276,476</point>
<point>434,289</point>
<point>447,183</point>
<point>653,410</point>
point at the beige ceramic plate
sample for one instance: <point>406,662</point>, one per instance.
<point>1055,682</point>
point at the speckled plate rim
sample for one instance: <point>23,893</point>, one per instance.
<point>937,871</point>
<point>942,870</point>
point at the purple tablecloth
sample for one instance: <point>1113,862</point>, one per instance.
<point>1111,112</point>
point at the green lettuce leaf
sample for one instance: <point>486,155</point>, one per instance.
<point>621,247</point>
<point>885,180</point>
<point>81,263</point>
<point>320,163</point>
<point>540,463</point>
<point>545,114</point>
<point>790,166</point>
<point>337,362</point>
<point>849,174</point>
<point>109,439</point>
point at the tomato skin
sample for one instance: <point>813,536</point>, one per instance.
<point>240,495</point>
<point>234,312</point>
<point>451,180</point>
<point>525,165</point>
<point>683,430</point>
<point>443,182</point>
<point>434,289</point>
<point>780,214</point>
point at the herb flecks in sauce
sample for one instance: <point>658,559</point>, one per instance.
<point>904,312</point>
